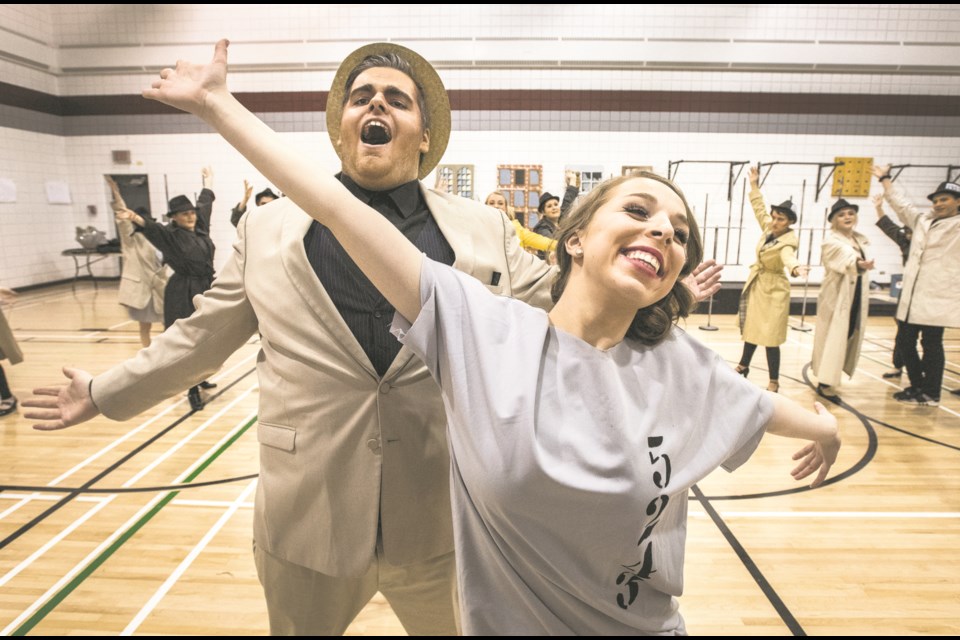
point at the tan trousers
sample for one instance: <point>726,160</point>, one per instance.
<point>301,601</point>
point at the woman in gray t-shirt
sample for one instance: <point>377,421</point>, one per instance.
<point>575,434</point>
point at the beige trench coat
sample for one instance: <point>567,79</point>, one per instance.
<point>9,349</point>
<point>767,290</point>
<point>930,293</point>
<point>143,279</point>
<point>833,352</point>
<point>343,452</point>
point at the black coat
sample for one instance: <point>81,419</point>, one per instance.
<point>189,254</point>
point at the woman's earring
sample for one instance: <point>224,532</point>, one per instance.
<point>578,253</point>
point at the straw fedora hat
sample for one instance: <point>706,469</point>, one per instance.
<point>435,98</point>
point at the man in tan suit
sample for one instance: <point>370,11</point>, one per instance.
<point>353,494</point>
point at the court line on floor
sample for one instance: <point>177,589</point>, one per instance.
<point>121,490</point>
<point>216,504</point>
<point>126,436</point>
<point>844,515</point>
<point>81,519</point>
<point>162,591</point>
<point>36,612</point>
<point>771,594</point>
<point>77,522</point>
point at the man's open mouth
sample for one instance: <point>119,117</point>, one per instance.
<point>375,133</point>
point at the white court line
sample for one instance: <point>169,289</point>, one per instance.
<point>946,376</point>
<point>48,497</point>
<point>839,515</point>
<point>185,564</point>
<point>129,434</point>
<point>218,504</point>
<point>118,325</point>
<point>77,568</point>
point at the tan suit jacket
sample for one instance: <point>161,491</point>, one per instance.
<point>340,448</point>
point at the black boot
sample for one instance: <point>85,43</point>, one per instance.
<point>206,384</point>
<point>196,402</point>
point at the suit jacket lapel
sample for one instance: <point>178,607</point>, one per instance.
<point>453,225</point>
<point>296,223</point>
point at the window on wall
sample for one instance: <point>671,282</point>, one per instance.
<point>521,185</point>
<point>456,179</point>
<point>588,176</point>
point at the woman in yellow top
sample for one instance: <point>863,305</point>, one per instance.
<point>528,239</point>
<point>765,301</point>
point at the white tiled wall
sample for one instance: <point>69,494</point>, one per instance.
<point>108,24</point>
<point>32,232</point>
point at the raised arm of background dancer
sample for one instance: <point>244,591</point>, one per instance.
<point>241,207</point>
<point>117,203</point>
<point>756,200</point>
<point>205,200</point>
<point>392,263</point>
<point>791,420</point>
<point>901,205</point>
<point>570,193</point>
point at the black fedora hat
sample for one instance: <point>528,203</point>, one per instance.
<point>266,193</point>
<point>545,197</point>
<point>788,209</point>
<point>179,204</point>
<point>950,188</point>
<point>841,204</point>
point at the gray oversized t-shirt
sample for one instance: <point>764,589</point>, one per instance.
<point>571,465</point>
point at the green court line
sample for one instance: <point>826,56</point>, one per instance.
<point>69,588</point>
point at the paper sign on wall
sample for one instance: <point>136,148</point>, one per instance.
<point>58,192</point>
<point>8,190</point>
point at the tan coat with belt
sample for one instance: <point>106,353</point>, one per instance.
<point>144,278</point>
<point>341,450</point>
<point>767,290</point>
<point>833,352</point>
<point>930,294</point>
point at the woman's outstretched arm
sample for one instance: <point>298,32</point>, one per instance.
<point>386,257</point>
<point>791,420</point>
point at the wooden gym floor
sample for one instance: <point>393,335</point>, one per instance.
<point>145,526</point>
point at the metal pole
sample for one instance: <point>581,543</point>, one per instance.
<point>726,248</point>
<point>806,280</point>
<point>743,199</point>
<point>806,284</point>
<point>706,203</point>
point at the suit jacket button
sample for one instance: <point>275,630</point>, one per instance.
<point>385,388</point>
<point>374,445</point>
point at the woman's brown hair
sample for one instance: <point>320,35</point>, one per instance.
<point>651,324</point>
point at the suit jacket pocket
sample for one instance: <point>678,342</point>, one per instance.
<point>276,436</point>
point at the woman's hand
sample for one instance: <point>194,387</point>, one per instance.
<point>754,176</point>
<point>704,281</point>
<point>191,87</point>
<point>818,457</point>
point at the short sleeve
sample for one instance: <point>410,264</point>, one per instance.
<point>740,416</point>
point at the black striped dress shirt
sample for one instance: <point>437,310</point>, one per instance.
<point>366,312</point>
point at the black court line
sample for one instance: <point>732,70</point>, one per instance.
<point>778,604</point>
<point>110,469</point>
<point>173,487</point>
